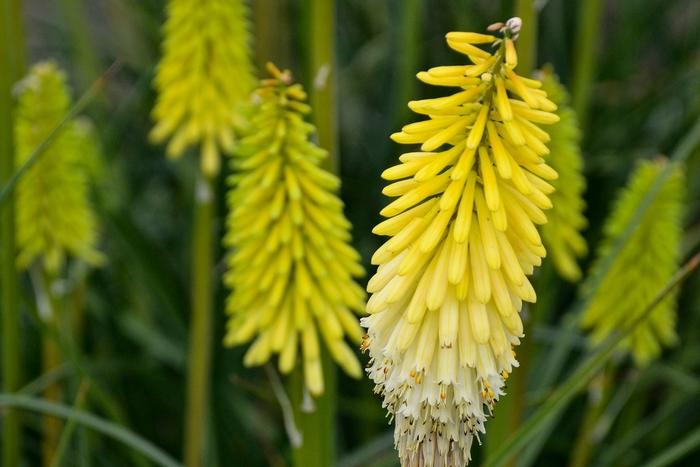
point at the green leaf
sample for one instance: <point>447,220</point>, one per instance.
<point>676,451</point>
<point>112,430</point>
<point>580,377</point>
<point>67,434</point>
<point>559,354</point>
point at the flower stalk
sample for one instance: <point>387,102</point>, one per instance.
<point>11,57</point>
<point>527,40</point>
<point>322,77</point>
<point>50,309</point>
<point>585,47</point>
<point>199,362</point>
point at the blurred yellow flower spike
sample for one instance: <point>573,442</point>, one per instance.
<point>203,79</point>
<point>291,265</point>
<point>53,216</point>
<point>647,261</point>
<point>562,233</point>
<point>444,311</point>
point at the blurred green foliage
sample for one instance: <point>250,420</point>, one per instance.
<point>133,342</point>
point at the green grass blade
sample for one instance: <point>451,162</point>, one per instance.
<point>74,111</point>
<point>611,455</point>
<point>560,353</point>
<point>67,434</point>
<point>112,430</point>
<point>677,451</point>
<point>368,453</point>
<point>580,377</point>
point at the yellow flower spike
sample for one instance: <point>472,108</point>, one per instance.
<point>203,79</point>
<point>291,268</point>
<point>562,234</point>
<point>642,266</point>
<point>444,310</point>
<point>54,216</point>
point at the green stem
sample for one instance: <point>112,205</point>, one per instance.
<point>199,364</point>
<point>11,65</point>
<point>316,426</point>
<point>407,60</point>
<point>272,36</point>
<point>85,57</point>
<point>598,395</point>
<point>527,40</point>
<point>322,77</point>
<point>50,307</point>
<point>585,49</point>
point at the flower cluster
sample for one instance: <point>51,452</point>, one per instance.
<point>291,266</point>
<point>451,280</point>
<point>562,233</point>
<point>204,77</point>
<point>646,262</point>
<point>53,216</point>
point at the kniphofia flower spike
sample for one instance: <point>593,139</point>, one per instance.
<point>562,233</point>
<point>291,268</point>
<point>54,216</point>
<point>203,79</point>
<point>647,261</point>
<point>463,238</point>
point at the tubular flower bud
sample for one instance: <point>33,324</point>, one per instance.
<point>53,215</point>
<point>451,279</point>
<point>203,78</point>
<point>562,233</point>
<point>648,260</point>
<point>291,265</point>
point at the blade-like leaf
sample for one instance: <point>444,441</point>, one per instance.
<point>558,355</point>
<point>112,430</point>
<point>676,451</point>
<point>579,378</point>
<point>67,434</point>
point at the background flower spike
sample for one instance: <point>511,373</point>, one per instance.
<point>291,266</point>
<point>562,232</point>
<point>204,78</point>
<point>642,266</point>
<point>54,217</point>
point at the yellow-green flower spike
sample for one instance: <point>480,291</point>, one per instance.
<point>204,77</point>
<point>54,217</point>
<point>646,262</point>
<point>562,233</point>
<point>291,265</point>
<point>444,311</point>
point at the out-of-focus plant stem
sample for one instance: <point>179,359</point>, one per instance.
<point>527,40</point>
<point>86,61</point>
<point>407,61</point>
<point>199,363</point>
<point>51,311</point>
<point>11,68</point>
<point>317,426</point>
<point>322,76</point>
<point>598,396</point>
<point>272,36</point>
<point>315,420</point>
<point>585,49</point>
